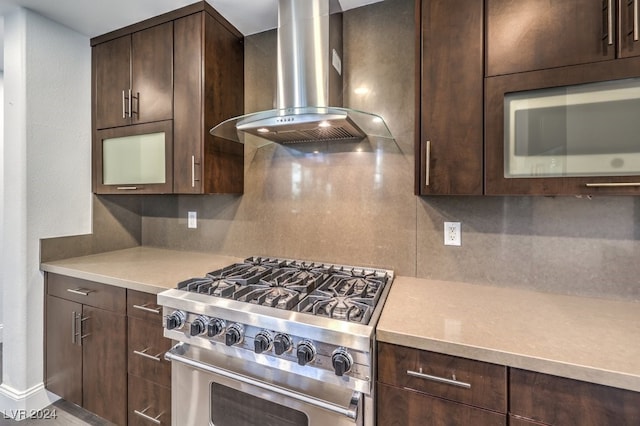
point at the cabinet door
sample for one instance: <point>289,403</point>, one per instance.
<point>209,88</point>
<point>449,152</point>
<point>527,35</point>
<point>63,360</point>
<point>111,74</point>
<point>560,401</point>
<point>629,28</point>
<point>104,366</point>
<point>400,407</point>
<point>152,74</point>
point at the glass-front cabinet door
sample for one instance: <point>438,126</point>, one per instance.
<point>580,138</point>
<point>135,159</point>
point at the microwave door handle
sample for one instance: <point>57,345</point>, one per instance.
<point>350,412</point>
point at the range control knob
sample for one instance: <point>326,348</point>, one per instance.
<point>341,361</point>
<point>281,343</point>
<point>262,342</point>
<point>198,326</point>
<point>306,352</point>
<point>215,327</point>
<point>234,334</point>
<point>175,320</point>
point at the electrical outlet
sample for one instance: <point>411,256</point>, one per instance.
<point>452,234</point>
<point>192,220</point>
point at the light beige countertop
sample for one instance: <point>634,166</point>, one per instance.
<point>589,339</point>
<point>147,269</point>
<point>594,340</point>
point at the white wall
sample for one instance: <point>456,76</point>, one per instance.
<point>47,184</point>
<point>1,180</point>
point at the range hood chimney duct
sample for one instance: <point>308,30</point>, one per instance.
<point>309,83</point>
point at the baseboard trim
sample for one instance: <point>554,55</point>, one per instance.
<point>20,405</point>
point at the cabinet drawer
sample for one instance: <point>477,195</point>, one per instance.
<point>143,305</point>
<point>403,407</point>
<point>146,351</point>
<point>471,382</point>
<point>558,400</point>
<point>90,293</point>
<point>148,400</point>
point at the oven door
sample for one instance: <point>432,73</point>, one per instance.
<point>213,389</point>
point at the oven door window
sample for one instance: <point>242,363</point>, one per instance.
<point>230,407</point>
<point>583,130</point>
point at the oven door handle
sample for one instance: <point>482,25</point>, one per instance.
<point>350,412</point>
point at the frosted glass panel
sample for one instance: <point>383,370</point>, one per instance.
<point>584,130</point>
<point>138,159</point>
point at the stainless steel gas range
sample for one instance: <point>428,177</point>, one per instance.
<point>275,342</point>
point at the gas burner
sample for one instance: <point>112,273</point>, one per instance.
<point>243,273</point>
<point>276,297</point>
<point>302,280</point>
<point>346,308</point>
<point>209,285</point>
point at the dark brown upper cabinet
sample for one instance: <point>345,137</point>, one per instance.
<point>528,35</point>
<point>449,105</point>
<point>134,78</point>
<point>159,86</point>
<point>209,88</point>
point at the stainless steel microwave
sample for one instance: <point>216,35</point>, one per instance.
<point>580,130</point>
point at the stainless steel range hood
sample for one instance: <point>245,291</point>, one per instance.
<point>309,84</point>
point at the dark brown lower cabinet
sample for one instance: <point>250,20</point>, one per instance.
<point>553,400</point>
<point>104,351</point>
<point>85,359</point>
<point>402,407</point>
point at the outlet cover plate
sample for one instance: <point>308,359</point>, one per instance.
<point>192,220</point>
<point>452,234</point>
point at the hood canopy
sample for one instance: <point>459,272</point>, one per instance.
<point>309,79</point>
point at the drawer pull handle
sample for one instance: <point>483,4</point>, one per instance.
<point>80,291</point>
<point>611,184</point>
<point>146,308</point>
<point>148,417</point>
<point>146,355</point>
<point>126,188</point>
<point>453,382</point>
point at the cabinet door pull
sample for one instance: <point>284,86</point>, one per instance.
<point>453,382</point>
<point>127,188</point>
<point>635,20</point>
<point>146,308</point>
<point>610,22</point>
<point>427,160</point>
<point>130,101</point>
<point>80,291</point>
<point>124,108</point>
<point>611,184</point>
<point>144,353</point>
<point>148,417</point>
<point>193,171</point>
<point>74,333</point>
